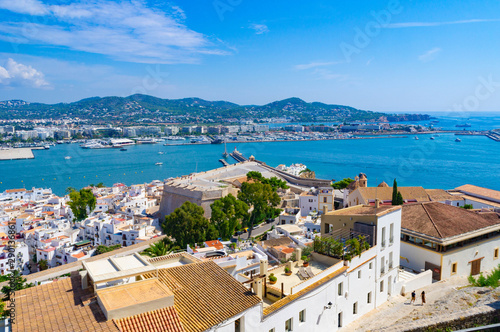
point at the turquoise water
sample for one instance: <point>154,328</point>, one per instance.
<point>440,163</point>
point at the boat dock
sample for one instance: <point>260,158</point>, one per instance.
<point>237,156</point>
<point>15,154</point>
<point>224,162</point>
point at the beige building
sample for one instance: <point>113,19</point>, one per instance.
<point>367,195</point>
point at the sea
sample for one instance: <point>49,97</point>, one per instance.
<point>441,163</point>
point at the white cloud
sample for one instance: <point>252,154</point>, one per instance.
<point>15,73</point>
<point>315,64</point>
<point>433,24</point>
<point>32,7</point>
<point>429,55</point>
<point>126,31</point>
<point>259,28</point>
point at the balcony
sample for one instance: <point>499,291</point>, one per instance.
<point>391,240</point>
<point>390,265</point>
<point>382,270</point>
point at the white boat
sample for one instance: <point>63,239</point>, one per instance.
<point>67,157</point>
<point>458,140</point>
<point>416,137</point>
<point>46,147</point>
<point>160,152</point>
<point>432,138</point>
<point>118,143</point>
<point>159,164</point>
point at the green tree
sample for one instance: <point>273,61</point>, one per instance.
<point>228,214</point>
<point>187,225</point>
<point>397,198</point>
<point>81,203</point>
<point>263,199</point>
<point>43,264</point>
<point>160,248</point>
<point>274,182</point>
<point>16,282</point>
<point>101,249</point>
<point>342,184</point>
<point>394,192</point>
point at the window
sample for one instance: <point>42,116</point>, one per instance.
<point>288,325</point>
<point>324,199</point>
<point>382,286</point>
<point>355,308</point>
<point>302,316</point>
<point>495,254</point>
<point>340,319</point>
<point>359,274</point>
<point>370,266</point>
<point>369,298</point>
<point>340,290</point>
<point>390,260</point>
<point>454,268</point>
<point>383,237</point>
<point>272,330</point>
<point>391,234</point>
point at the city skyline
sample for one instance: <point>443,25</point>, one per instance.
<point>387,56</point>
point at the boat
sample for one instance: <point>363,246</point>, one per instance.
<point>123,149</point>
<point>458,140</point>
<point>67,157</point>
<point>217,141</point>
<point>416,137</point>
<point>118,143</point>
<point>464,125</point>
<point>432,138</point>
<point>46,147</point>
<point>161,152</point>
<point>159,164</point>
<point>146,141</point>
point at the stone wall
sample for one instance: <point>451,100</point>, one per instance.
<point>474,317</point>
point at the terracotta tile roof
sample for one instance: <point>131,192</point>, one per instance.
<point>444,221</point>
<point>79,255</point>
<point>284,241</point>
<point>14,190</point>
<point>363,210</point>
<point>206,295</point>
<point>442,195</point>
<point>58,307</point>
<point>161,320</point>
<point>475,190</point>
<point>480,200</point>
<point>385,193</point>
<point>286,300</point>
<point>215,243</point>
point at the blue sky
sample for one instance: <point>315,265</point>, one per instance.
<point>393,56</point>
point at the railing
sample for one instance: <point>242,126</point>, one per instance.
<point>391,240</point>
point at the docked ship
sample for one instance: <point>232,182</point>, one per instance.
<point>118,143</point>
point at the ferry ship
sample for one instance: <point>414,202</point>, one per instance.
<point>118,143</point>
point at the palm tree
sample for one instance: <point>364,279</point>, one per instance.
<point>160,248</point>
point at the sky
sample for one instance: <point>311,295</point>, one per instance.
<point>389,56</point>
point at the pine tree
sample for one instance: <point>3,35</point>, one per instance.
<point>394,193</point>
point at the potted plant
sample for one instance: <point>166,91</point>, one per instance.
<point>305,260</point>
<point>288,271</point>
<point>272,279</point>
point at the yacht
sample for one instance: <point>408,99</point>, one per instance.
<point>458,140</point>
<point>161,152</point>
<point>416,137</point>
<point>432,138</point>
<point>159,164</point>
<point>67,157</point>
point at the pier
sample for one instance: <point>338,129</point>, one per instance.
<point>493,135</point>
<point>238,156</point>
<point>13,154</point>
<point>224,162</point>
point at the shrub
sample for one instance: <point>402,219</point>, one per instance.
<point>272,277</point>
<point>492,280</point>
<point>287,269</point>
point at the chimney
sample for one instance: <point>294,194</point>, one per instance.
<point>263,267</point>
<point>377,203</point>
<point>257,287</point>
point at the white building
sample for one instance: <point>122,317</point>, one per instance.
<point>449,240</point>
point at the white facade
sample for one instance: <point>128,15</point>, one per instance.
<point>308,203</point>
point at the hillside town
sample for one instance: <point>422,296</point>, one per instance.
<point>331,254</point>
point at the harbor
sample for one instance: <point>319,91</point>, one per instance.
<point>17,154</point>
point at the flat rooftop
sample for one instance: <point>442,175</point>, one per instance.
<point>113,268</point>
<point>132,294</point>
<point>364,210</point>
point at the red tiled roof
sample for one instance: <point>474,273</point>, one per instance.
<point>79,255</point>
<point>215,243</point>
<point>14,190</point>
<point>165,319</point>
<point>475,190</point>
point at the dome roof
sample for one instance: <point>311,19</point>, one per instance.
<point>383,184</point>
